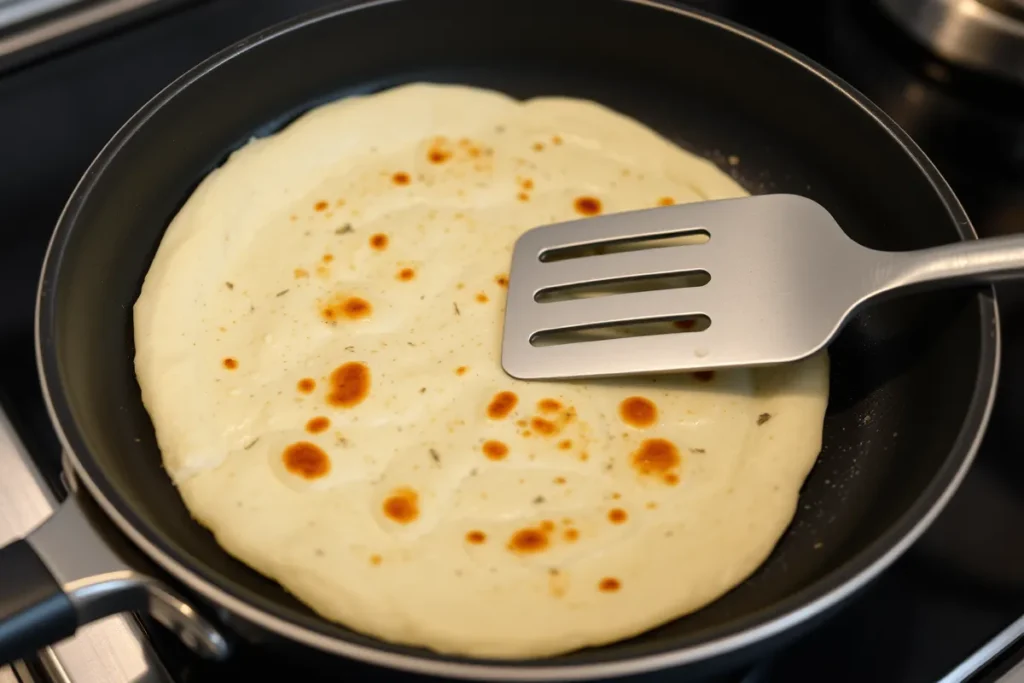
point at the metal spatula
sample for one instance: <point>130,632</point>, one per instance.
<point>735,282</point>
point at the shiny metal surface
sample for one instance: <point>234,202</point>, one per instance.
<point>763,286</point>
<point>111,651</point>
<point>986,35</point>
<point>99,583</point>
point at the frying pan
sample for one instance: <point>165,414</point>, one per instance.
<point>912,381</point>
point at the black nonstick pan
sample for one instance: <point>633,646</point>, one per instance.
<point>912,380</point>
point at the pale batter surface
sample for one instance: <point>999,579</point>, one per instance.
<point>318,347</point>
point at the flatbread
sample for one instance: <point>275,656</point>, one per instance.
<point>317,343</point>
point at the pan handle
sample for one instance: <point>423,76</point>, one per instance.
<point>64,575</point>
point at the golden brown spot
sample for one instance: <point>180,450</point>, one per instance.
<point>306,460</point>
<point>301,273</point>
<point>461,370</point>
<point>548,405</point>
<point>617,516</point>
<point>436,155</point>
<point>322,271</point>
<point>547,526</point>
<point>320,206</point>
<point>556,139</point>
<point>616,496</point>
<point>542,426</point>
<point>523,197</point>
<point>495,450</point>
<point>538,146</point>
<point>379,241</point>
<point>609,585</point>
<point>353,308</point>
<point>638,411</point>
<point>521,423</point>
<point>704,375</point>
<point>474,152</point>
<point>657,457</point>
<point>502,280</point>
<point>584,456</point>
<point>293,218</point>
<point>230,363</point>
<point>476,537</point>
<point>402,506</point>
<point>588,206</point>
<point>375,560</point>
<point>340,203</point>
<point>306,385</point>
<point>406,274</point>
<point>317,425</point>
<point>559,480</point>
<point>400,178</point>
<point>565,444</point>
<point>651,505</point>
<point>528,540</point>
<point>526,184</point>
<point>327,258</point>
<point>501,405</point>
<point>666,201</point>
<point>571,535</point>
<point>482,298</point>
<point>350,384</point>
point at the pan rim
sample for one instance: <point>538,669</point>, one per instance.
<point>797,609</point>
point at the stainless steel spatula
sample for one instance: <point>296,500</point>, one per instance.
<point>735,282</point>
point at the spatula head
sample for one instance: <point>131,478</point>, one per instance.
<point>736,282</point>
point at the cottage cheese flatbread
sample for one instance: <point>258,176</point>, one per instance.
<point>317,343</point>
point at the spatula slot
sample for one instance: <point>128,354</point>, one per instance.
<point>610,287</point>
<point>687,236</point>
<point>677,325</point>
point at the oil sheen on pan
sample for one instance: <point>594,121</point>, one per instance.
<point>329,358</point>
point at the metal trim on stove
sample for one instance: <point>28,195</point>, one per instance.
<point>99,583</point>
<point>112,651</point>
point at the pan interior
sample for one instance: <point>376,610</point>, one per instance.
<point>904,375</point>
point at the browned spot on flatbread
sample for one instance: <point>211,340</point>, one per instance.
<point>638,412</point>
<point>549,405</point>
<point>657,457</point>
<point>587,206</point>
<point>306,460</point>
<point>318,424</point>
<point>495,450</point>
<point>347,308</point>
<point>528,540</point>
<point>503,403</point>
<point>350,385</point>
<point>617,516</point>
<point>402,506</point>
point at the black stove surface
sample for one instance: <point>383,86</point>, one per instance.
<point>959,586</point>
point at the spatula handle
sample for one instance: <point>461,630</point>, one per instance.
<point>982,260</point>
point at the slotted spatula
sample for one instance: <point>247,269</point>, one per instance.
<point>736,282</point>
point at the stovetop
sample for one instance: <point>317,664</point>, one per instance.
<point>956,590</point>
